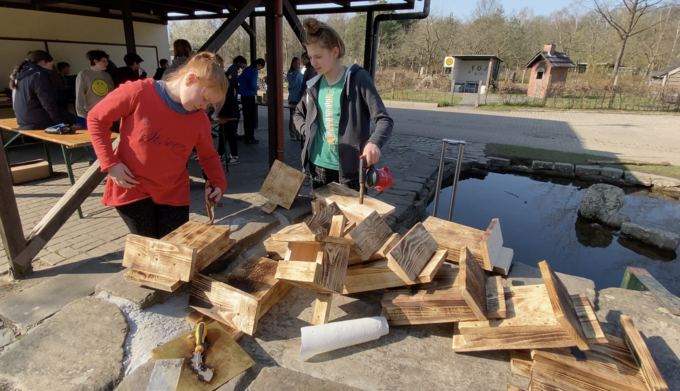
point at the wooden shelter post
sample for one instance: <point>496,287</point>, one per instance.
<point>274,16</point>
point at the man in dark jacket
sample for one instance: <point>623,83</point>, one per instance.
<point>130,72</point>
<point>35,99</point>
<point>159,71</point>
<point>231,110</point>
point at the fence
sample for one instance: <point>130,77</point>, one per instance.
<point>595,95</point>
<point>400,86</point>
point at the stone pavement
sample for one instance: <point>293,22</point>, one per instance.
<point>646,137</point>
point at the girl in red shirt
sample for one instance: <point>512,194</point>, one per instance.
<point>161,123</point>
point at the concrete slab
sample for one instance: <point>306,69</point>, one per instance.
<point>540,165</point>
<point>523,274</point>
<point>657,326</point>
<point>408,358</point>
<point>6,337</point>
<point>250,226</point>
<point>281,379</point>
<point>30,306</point>
<point>587,170</point>
<point>138,379</point>
<point>498,161</point>
<point>611,172</point>
<point>79,348</point>
<point>140,296</point>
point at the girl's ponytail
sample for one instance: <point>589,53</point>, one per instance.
<point>34,57</point>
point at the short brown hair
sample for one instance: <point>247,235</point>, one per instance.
<point>181,48</point>
<point>322,34</point>
<point>206,66</point>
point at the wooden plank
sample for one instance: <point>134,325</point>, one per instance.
<point>62,211</point>
<point>322,308</point>
<point>432,267</point>
<point>316,207</point>
<point>513,388</point>
<point>356,213</point>
<point>306,238</point>
<point>151,280</point>
<point>495,298</point>
<point>210,241</point>
<point>355,258</point>
<point>521,362</point>
<point>11,232</point>
<point>544,377</point>
<point>370,235</point>
<point>276,248</point>
<point>338,224</point>
<point>492,243</point>
<point>609,366</point>
<point>335,257</point>
<point>408,258</point>
<point>344,196</point>
<point>348,229</point>
<point>472,283</point>
<point>562,306</point>
<point>282,185</point>
<point>320,223</point>
<point>646,281</point>
<point>173,261</point>
<point>224,303</point>
<point>504,261</point>
<point>453,237</point>
<point>81,137</point>
<point>638,347</point>
<point>586,316</point>
<point>269,206</point>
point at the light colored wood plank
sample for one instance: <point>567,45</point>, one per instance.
<point>544,377</point>
<point>210,241</point>
<point>453,237</point>
<point>159,258</point>
<point>588,319</point>
<point>549,337</point>
<point>152,280</point>
<point>257,277</point>
<point>305,238</point>
<point>432,267</point>
<point>513,388</point>
<point>225,303</point>
<point>316,207</point>
<point>409,316</point>
<point>81,138</point>
<point>504,261</point>
<point>409,257</point>
<point>320,223</point>
<point>562,306</point>
<point>338,224</point>
<point>521,362</point>
<point>279,249</point>
<point>348,229</point>
<point>344,196</point>
<point>370,235</point>
<point>282,185</point>
<point>322,308</point>
<point>492,243</point>
<point>356,213</point>
<point>495,298</point>
<point>472,283</point>
<point>639,350</point>
<point>269,207</point>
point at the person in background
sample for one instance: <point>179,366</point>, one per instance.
<point>247,88</point>
<point>59,74</point>
<point>230,109</point>
<point>182,51</point>
<point>336,111</point>
<point>294,77</point>
<point>161,122</point>
<point>34,97</point>
<point>159,71</point>
<point>309,73</point>
<point>93,83</point>
<point>130,72</point>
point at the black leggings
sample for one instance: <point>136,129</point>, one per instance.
<point>147,218</point>
<point>249,117</point>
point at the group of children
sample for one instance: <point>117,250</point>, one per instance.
<point>162,121</point>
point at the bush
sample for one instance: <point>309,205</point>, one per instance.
<point>443,103</point>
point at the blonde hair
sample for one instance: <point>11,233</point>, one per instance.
<point>206,67</point>
<point>322,34</point>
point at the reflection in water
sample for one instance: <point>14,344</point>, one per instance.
<point>539,221</point>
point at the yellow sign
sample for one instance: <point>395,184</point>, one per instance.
<point>448,62</point>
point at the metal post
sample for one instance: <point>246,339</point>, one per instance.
<point>453,88</point>
<point>459,163</point>
<point>69,171</point>
<point>442,160</point>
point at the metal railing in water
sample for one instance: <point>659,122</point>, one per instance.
<point>442,161</point>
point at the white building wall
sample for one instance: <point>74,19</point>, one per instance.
<point>470,71</point>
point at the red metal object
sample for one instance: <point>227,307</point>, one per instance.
<point>374,178</point>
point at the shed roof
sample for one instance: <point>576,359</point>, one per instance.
<point>665,71</point>
<point>476,57</point>
<point>556,59</point>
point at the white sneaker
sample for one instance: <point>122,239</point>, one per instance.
<point>233,161</point>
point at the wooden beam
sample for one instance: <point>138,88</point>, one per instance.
<point>219,37</point>
<point>412,253</point>
<point>253,38</point>
<point>322,308</point>
<point>60,213</point>
<point>128,28</point>
<point>11,231</point>
<point>638,348</point>
<point>290,14</point>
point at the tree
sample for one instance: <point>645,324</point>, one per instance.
<point>628,19</point>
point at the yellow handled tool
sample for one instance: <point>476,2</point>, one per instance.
<point>204,373</point>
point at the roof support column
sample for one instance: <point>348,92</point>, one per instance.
<point>130,45</point>
<point>253,38</point>
<point>368,41</point>
<point>274,19</point>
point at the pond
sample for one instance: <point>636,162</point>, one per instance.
<point>539,221</point>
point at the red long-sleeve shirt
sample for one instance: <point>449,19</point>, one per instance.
<point>155,144</point>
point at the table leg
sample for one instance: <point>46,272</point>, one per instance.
<point>46,145</point>
<point>69,171</point>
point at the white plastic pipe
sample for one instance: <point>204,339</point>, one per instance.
<point>331,336</point>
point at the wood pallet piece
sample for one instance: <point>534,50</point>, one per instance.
<point>210,241</point>
<point>370,235</point>
<point>316,207</point>
<point>322,304</point>
<point>521,362</point>
<point>316,266</point>
<point>408,258</point>
<point>440,301</point>
<point>513,388</point>
<point>530,324</point>
<point>638,347</point>
<point>157,264</point>
<point>345,197</point>
<point>277,249</point>
<point>640,280</point>
<point>376,275</point>
<point>320,223</point>
<point>355,258</point>
<point>281,187</point>
<point>486,246</point>
<point>196,317</point>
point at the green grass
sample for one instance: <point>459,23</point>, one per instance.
<point>420,96</point>
<point>565,104</point>
<point>525,155</point>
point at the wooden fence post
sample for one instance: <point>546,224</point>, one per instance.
<point>479,91</point>
<point>453,88</point>
<point>394,80</point>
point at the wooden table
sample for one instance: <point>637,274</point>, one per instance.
<point>81,138</point>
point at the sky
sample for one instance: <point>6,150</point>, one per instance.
<point>463,8</point>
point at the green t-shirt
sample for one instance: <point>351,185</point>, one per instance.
<point>324,151</point>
